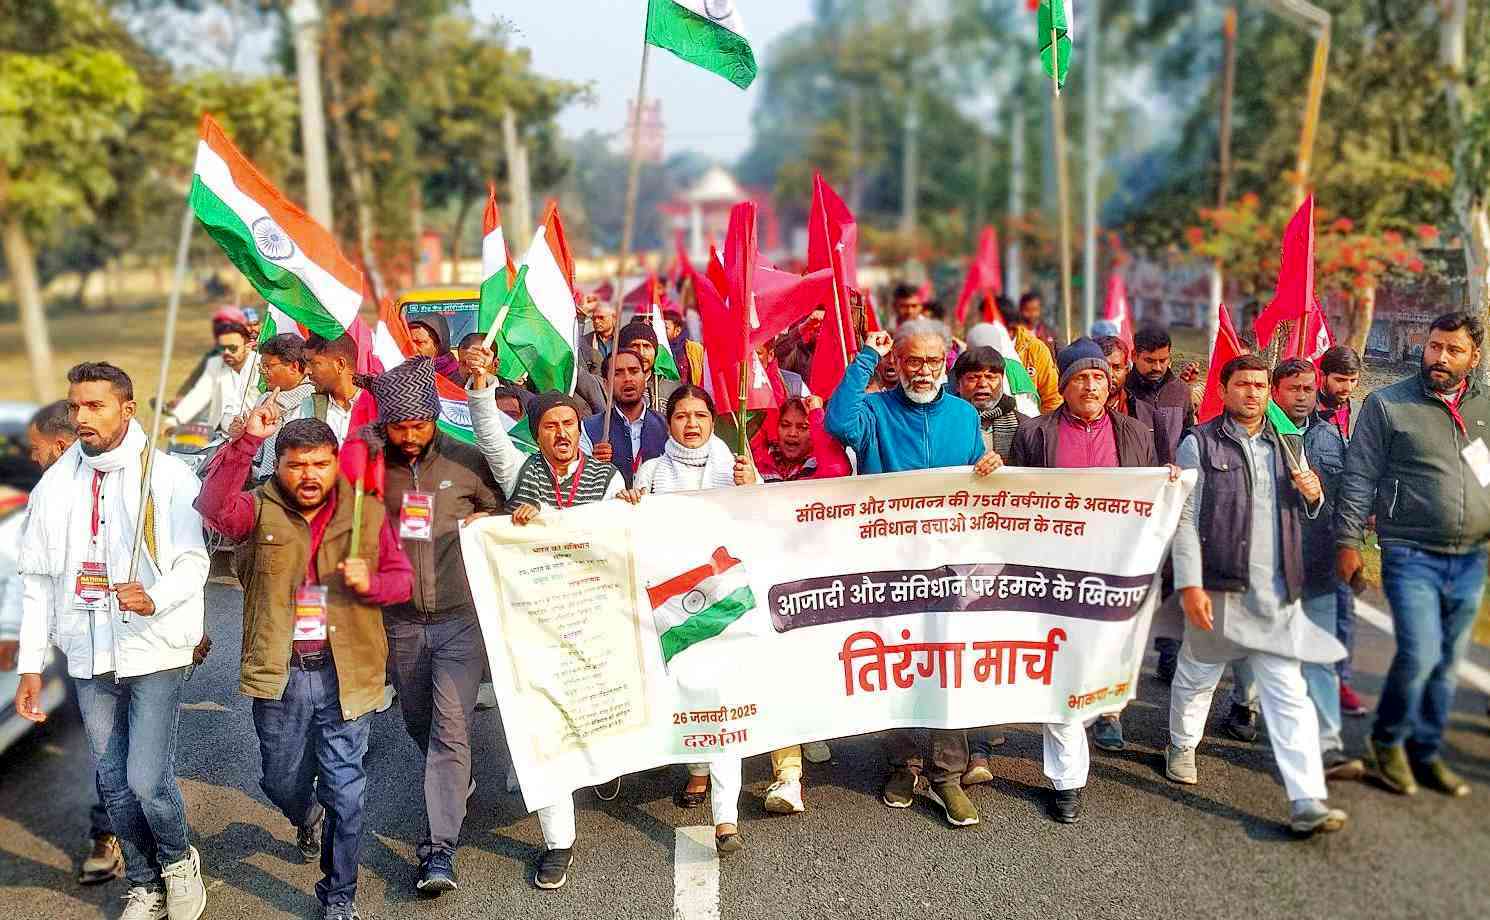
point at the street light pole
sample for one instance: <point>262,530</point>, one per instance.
<point>305,21</point>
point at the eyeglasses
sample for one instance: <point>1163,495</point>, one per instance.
<point>913,363</point>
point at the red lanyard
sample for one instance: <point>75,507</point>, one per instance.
<point>559,501</point>
<point>1452,404</point>
<point>636,462</point>
<point>97,487</point>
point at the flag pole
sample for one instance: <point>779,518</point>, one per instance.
<point>633,177</point>
<point>1063,181</point>
<point>173,307</point>
<point>745,357</point>
<point>836,265</point>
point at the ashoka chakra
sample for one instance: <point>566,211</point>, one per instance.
<point>272,241</point>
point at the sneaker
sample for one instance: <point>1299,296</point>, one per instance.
<point>785,797</point>
<point>817,752</point>
<point>900,789</point>
<point>436,874</point>
<point>186,896</point>
<point>693,798</point>
<point>1341,767</point>
<point>1392,769</point>
<point>1350,703</point>
<point>1311,816</point>
<point>308,838</point>
<point>142,903</point>
<point>553,869</point>
<point>1436,775</point>
<point>486,697</point>
<point>340,912</point>
<point>1179,765</point>
<point>977,771</point>
<point>954,802</point>
<point>1065,806</point>
<point>389,695</point>
<point>1241,723</point>
<point>104,862</point>
<point>1107,733</point>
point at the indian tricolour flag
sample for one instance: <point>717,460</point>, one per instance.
<point>700,603</point>
<point>709,33</point>
<point>278,322</point>
<point>1017,380</point>
<point>291,260</point>
<point>536,324</point>
<point>664,365</point>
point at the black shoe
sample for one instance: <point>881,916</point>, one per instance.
<point>687,798</point>
<point>1241,723</point>
<point>437,874</point>
<point>308,838</point>
<point>553,869</point>
<point>1065,806</point>
<point>1168,661</point>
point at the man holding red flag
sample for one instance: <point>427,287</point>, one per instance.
<point>314,651</point>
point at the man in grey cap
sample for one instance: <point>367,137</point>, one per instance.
<point>558,476</point>
<point>433,485</point>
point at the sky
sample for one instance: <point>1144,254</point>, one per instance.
<point>600,41</point>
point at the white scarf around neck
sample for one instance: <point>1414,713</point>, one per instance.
<point>714,458</point>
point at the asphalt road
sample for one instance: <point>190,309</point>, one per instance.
<point>1145,848</point>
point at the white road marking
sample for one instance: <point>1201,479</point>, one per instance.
<point>1469,672</point>
<point>204,706</point>
<point>695,874</point>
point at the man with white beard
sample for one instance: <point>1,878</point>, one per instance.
<point>915,426</point>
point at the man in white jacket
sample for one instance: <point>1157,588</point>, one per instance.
<point>128,639</point>
<point>225,390</point>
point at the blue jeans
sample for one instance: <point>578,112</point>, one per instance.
<point>302,735</point>
<point>1345,629</point>
<point>131,726</point>
<point>1323,680</point>
<point>1434,599</point>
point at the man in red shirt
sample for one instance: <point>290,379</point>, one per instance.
<point>314,649</point>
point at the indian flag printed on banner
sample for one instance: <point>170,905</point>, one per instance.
<point>291,260</point>
<point>708,33</point>
<point>700,603</point>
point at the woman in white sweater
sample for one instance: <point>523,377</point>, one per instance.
<point>693,460</point>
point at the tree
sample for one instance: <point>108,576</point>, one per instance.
<point>67,93</point>
<point>1466,85</point>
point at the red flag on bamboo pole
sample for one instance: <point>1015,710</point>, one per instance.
<point>1295,292</point>
<point>985,279</point>
<point>1228,346</point>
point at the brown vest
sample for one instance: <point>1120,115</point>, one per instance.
<point>271,566</point>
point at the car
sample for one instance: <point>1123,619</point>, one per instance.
<point>19,473</point>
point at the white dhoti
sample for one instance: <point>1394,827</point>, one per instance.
<point>1293,726</point>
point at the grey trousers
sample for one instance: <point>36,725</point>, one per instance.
<point>437,668</point>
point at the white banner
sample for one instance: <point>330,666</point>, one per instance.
<point>737,621</point>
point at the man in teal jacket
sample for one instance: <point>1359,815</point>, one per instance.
<point>916,426</point>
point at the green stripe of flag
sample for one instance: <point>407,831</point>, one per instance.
<point>707,623</point>
<point>699,41</point>
<point>1280,419</point>
<point>532,343</point>
<point>277,285</point>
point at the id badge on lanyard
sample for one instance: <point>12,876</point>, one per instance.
<point>416,519</point>
<point>310,613</point>
<point>92,588</point>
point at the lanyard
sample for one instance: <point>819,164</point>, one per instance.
<point>95,519</point>
<point>1453,406</point>
<point>559,501</point>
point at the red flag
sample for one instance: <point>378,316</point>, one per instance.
<point>1117,309</point>
<point>833,243</point>
<point>716,273</point>
<point>725,336</point>
<point>1228,346</point>
<point>985,278</point>
<point>679,269</point>
<point>1295,293</point>
<point>1311,337</point>
<point>358,463</point>
<point>782,298</point>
